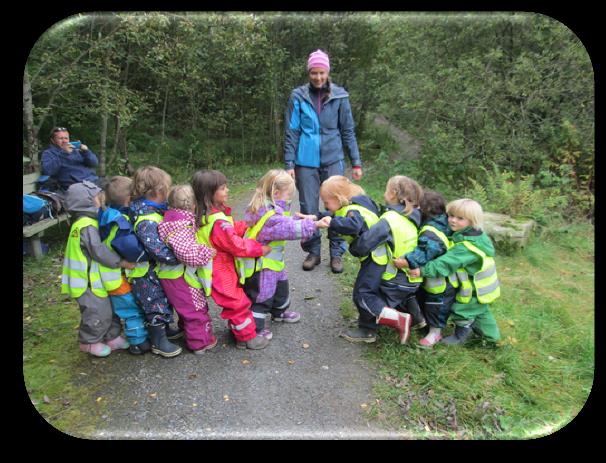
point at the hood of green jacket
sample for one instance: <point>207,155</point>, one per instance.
<point>476,237</point>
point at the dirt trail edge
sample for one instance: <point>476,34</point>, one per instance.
<point>307,384</point>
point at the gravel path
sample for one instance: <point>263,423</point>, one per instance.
<point>307,384</point>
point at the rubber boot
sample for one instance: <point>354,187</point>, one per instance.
<point>173,333</point>
<point>360,334</point>
<point>461,334</point>
<point>256,343</point>
<point>418,320</point>
<point>397,320</point>
<point>160,343</point>
<point>140,349</point>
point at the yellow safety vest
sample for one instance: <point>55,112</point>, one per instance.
<point>76,276</point>
<point>438,285</point>
<point>172,272</point>
<point>405,240</point>
<point>379,254</point>
<point>205,273</point>
<point>141,268</point>
<point>246,266</point>
<point>484,281</point>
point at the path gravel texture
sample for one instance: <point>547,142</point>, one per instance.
<point>307,384</point>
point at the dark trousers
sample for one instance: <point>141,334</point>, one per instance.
<point>437,307</point>
<point>308,180</point>
<point>400,294</point>
<point>276,305</point>
<point>366,294</point>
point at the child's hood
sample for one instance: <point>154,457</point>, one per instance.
<point>414,216</point>
<point>365,201</point>
<point>440,222</point>
<point>252,218</point>
<point>79,199</point>
<point>141,206</point>
<point>176,219</point>
<point>476,237</point>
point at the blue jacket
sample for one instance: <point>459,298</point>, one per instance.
<point>69,168</point>
<point>312,140</point>
<point>380,233</point>
<point>125,242</point>
<point>429,245</point>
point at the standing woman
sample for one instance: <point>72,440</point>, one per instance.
<point>319,124</point>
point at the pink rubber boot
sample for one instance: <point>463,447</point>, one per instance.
<point>118,343</point>
<point>97,349</point>
<point>397,320</point>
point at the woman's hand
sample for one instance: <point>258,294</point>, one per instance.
<point>356,172</point>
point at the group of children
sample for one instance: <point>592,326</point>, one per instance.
<point>138,250</point>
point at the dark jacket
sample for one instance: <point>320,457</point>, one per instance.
<point>314,140</point>
<point>69,168</point>
<point>380,233</point>
<point>353,223</point>
<point>125,241</point>
<point>429,245</point>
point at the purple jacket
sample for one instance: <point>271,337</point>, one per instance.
<point>278,227</point>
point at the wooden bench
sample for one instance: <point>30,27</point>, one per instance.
<point>35,231</point>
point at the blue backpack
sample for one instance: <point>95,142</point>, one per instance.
<point>35,209</point>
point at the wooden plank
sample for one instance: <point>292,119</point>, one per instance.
<point>29,182</point>
<point>35,228</point>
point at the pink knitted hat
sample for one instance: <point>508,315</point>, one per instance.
<point>318,59</point>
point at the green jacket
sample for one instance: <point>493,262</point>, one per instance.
<point>459,256</point>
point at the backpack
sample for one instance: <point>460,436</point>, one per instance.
<point>54,199</point>
<point>35,209</point>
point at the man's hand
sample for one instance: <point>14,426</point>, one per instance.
<point>291,172</point>
<point>83,147</point>
<point>356,172</point>
<point>400,262</point>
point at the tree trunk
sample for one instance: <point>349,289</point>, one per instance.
<point>103,143</point>
<point>164,114</point>
<point>28,118</point>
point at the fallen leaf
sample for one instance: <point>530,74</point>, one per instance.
<point>83,374</point>
<point>153,395</point>
<point>99,399</point>
<point>308,298</point>
<point>66,402</point>
<point>290,362</point>
<point>364,406</point>
<point>194,405</point>
<point>324,367</point>
<point>245,362</point>
<point>135,402</point>
<point>52,361</point>
<point>226,398</point>
<point>192,376</point>
<point>305,346</point>
<point>46,399</point>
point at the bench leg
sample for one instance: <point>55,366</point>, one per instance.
<point>36,246</point>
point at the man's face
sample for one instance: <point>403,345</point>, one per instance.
<point>61,139</point>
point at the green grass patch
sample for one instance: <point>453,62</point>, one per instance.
<point>531,384</point>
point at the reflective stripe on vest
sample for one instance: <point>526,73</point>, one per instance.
<point>246,266</point>
<point>205,272</point>
<point>405,240</point>
<point>484,281</point>
<point>379,254</point>
<point>437,285</point>
<point>76,276</point>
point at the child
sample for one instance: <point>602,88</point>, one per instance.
<point>117,234</point>
<point>184,291</point>
<point>269,222</point>
<point>397,228</point>
<point>86,260</point>
<point>150,190</point>
<point>218,229</point>
<point>353,214</point>
<point>436,294</point>
<point>472,258</point>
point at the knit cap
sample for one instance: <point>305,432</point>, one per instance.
<point>318,59</point>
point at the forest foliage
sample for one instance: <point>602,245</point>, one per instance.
<point>509,95</point>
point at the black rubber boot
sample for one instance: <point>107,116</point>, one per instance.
<point>160,343</point>
<point>418,320</point>
<point>461,334</point>
<point>140,349</point>
<point>360,334</point>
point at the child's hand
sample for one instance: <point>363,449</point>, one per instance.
<point>400,262</point>
<point>126,264</point>
<point>266,249</point>
<point>213,253</point>
<point>306,216</point>
<point>324,222</point>
<point>415,272</point>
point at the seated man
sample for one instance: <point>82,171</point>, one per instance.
<point>66,164</point>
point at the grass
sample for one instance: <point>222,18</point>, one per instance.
<point>534,382</point>
<point>53,367</point>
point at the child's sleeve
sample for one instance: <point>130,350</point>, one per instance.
<point>427,249</point>
<point>224,238</point>
<point>127,244</point>
<point>91,242</point>
<point>352,224</point>
<point>186,249</point>
<point>376,235</point>
<point>446,264</point>
<point>280,227</point>
<point>147,232</point>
